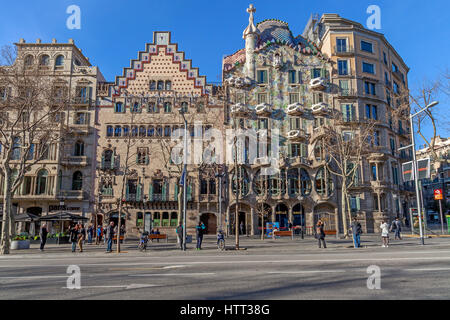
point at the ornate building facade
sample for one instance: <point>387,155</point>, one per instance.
<point>64,179</point>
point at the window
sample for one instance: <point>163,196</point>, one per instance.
<point>342,67</point>
<point>159,131</point>
<point>79,149</point>
<point>134,131</point>
<point>366,46</point>
<point>386,78</point>
<point>396,88</point>
<point>150,131</point>
<point>152,107</point>
<point>395,174</point>
<point>117,131</point>
<point>374,112</point>
<point>126,131</point>
<point>142,156</point>
<point>368,68</point>
<point>31,152</point>
<point>388,97</point>
<point>168,85</point>
<point>119,107</point>
<point>292,76</point>
<point>167,107</point>
<point>324,184</point>
<point>136,108</point>
<point>347,135</point>
<point>385,58</point>
<point>376,136</point>
<point>341,45</point>
<point>45,60</point>
<point>369,88</point>
<point>77,181</point>
<point>294,123</point>
<point>343,86</point>
<point>203,186</point>
<point>139,219</point>
<point>81,118</point>
<point>355,203</point>
<point>109,131</point>
<point>394,67</point>
<point>59,62</point>
<point>160,85</point>
<point>373,170</point>
<point>262,76</point>
<point>263,123</point>
<point>41,182</point>
<point>152,85</point>
<point>29,60</point>
<point>392,141</point>
<point>293,98</point>
<point>347,112</point>
<point>167,131</point>
<point>371,112</point>
<point>184,107</point>
<point>316,73</point>
<point>142,131</point>
<point>262,98</point>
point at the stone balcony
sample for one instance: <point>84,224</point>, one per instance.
<point>71,194</point>
<point>77,161</point>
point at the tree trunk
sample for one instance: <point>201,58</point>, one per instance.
<point>180,208</point>
<point>344,213</point>
<point>262,227</point>
<point>5,242</point>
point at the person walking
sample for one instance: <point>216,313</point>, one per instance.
<point>356,230</point>
<point>90,233</point>
<point>43,236</point>
<point>397,228</point>
<point>122,232</point>
<point>99,234</point>
<point>241,227</point>
<point>179,231</point>
<point>200,229</point>
<point>109,236</point>
<point>81,236</point>
<point>320,234</point>
<point>385,233</point>
<point>74,237</point>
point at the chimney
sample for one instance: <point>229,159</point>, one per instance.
<point>22,40</point>
<point>38,40</point>
<point>71,41</point>
<point>54,40</point>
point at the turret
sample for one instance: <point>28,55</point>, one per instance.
<point>250,35</point>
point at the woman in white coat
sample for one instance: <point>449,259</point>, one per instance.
<point>385,233</point>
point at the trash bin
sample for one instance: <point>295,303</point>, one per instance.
<point>448,224</point>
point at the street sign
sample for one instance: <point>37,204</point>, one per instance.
<point>423,168</point>
<point>407,171</point>
<point>438,194</point>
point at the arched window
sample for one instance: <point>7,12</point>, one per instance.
<point>41,182</point>
<point>126,131</point>
<point>118,107</point>
<point>109,131</point>
<point>142,131</point>
<point>79,148</point>
<point>277,183</point>
<point>260,183</point>
<point>184,107</point>
<point>45,60</point>
<point>29,60</point>
<point>160,85</point>
<point>305,182</point>
<point>153,85</point>
<point>77,180</point>
<point>242,181</point>
<point>168,85</point>
<point>150,131</point>
<point>59,62</point>
<point>117,131</point>
<point>134,131</point>
<point>167,107</point>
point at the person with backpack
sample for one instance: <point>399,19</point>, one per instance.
<point>179,231</point>
<point>90,233</point>
<point>200,230</point>
<point>320,234</point>
<point>356,230</point>
<point>397,228</point>
<point>74,237</point>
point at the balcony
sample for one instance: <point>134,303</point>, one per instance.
<point>299,160</point>
<point>80,128</point>
<point>297,135</point>
<point>79,161</point>
<point>343,50</point>
<point>319,108</point>
<point>71,194</point>
<point>294,109</point>
<point>239,109</point>
<point>379,184</point>
<point>317,84</point>
<point>346,93</point>
<point>317,133</point>
<point>82,101</point>
<point>208,198</point>
<point>263,109</point>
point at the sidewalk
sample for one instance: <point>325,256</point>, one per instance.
<point>252,245</point>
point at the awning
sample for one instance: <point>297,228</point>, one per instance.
<point>65,216</point>
<point>23,217</point>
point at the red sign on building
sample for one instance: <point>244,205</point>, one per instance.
<point>438,194</point>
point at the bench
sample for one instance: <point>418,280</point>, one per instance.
<point>115,239</point>
<point>158,236</point>
<point>284,234</point>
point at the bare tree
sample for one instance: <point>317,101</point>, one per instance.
<point>345,143</point>
<point>31,121</point>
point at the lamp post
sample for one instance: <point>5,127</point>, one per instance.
<point>416,178</point>
<point>61,204</point>
<point>183,176</point>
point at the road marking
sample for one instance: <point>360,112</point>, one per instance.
<point>310,271</point>
<point>130,286</point>
<point>172,274</point>
<point>32,277</point>
<point>429,269</point>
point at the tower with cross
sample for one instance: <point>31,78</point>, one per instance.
<point>250,35</point>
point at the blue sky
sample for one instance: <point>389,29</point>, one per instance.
<point>112,32</point>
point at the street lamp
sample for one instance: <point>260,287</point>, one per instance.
<point>416,180</point>
<point>183,176</point>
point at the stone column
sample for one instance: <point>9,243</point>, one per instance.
<point>252,215</point>
<point>273,214</point>
<point>336,219</point>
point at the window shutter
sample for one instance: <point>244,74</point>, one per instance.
<point>90,94</point>
<point>147,160</point>
<point>189,193</point>
<point>176,192</point>
<point>323,73</point>
<point>164,191</point>
<point>358,203</point>
<point>113,159</point>
<point>290,150</point>
<point>127,192</point>
<point>304,150</point>
<point>137,158</point>
<point>103,161</point>
<point>344,112</point>
<point>138,192</point>
<point>150,192</point>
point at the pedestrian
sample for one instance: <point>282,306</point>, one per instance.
<point>99,234</point>
<point>74,237</point>
<point>356,230</point>
<point>320,234</point>
<point>90,233</point>
<point>385,233</point>
<point>200,229</point>
<point>290,225</point>
<point>81,236</point>
<point>157,232</point>
<point>179,231</point>
<point>397,228</point>
<point>109,236</point>
<point>241,227</point>
<point>122,232</point>
<point>43,236</point>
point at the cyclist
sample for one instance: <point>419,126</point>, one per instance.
<point>220,240</point>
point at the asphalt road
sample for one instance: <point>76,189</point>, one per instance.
<point>283,269</point>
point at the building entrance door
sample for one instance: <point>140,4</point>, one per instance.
<point>210,221</point>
